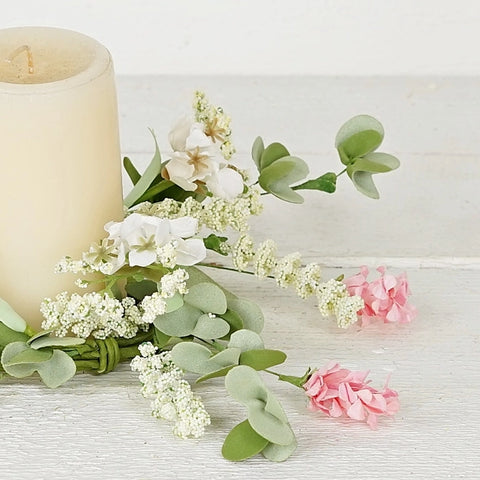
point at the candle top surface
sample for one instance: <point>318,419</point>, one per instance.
<point>46,56</point>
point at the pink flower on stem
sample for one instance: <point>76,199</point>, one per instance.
<point>385,298</point>
<point>337,391</point>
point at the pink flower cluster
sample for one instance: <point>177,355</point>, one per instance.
<point>337,391</point>
<point>384,298</point>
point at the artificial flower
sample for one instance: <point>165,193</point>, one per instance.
<point>385,298</point>
<point>225,183</point>
<point>338,391</point>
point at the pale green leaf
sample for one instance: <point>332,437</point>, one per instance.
<point>210,328</point>
<point>279,453</point>
<point>244,385</point>
<point>257,150</point>
<point>277,178</point>
<point>233,320</point>
<point>242,442</point>
<point>7,335</point>
<point>10,318</point>
<point>207,297</point>
<point>389,162</point>
<point>363,182</point>
<point>180,322</point>
<point>29,356</point>
<point>271,154</point>
<point>58,370</point>
<point>250,313</point>
<point>225,358</point>
<point>56,342</point>
<point>191,357</point>
<point>246,340</point>
<point>20,370</point>
<point>147,178</point>
<point>174,303</point>
<point>215,374</point>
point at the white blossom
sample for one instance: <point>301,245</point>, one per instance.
<point>172,396</point>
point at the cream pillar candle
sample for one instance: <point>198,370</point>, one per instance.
<point>60,178</point>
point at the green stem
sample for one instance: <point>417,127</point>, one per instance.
<point>229,269</point>
<point>342,172</point>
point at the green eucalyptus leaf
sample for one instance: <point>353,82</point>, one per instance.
<point>225,358</point>
<point>7,335</point>
<point>363,182</point>
<point>210,328</point>
<point>243,442</point>
<point>385,160</point>
<point>358,136</point>
<point>271,154</point>
<point>246,340</point>
<point>10,318</point>
<point>174,303</point>
<point>191,357</point>
<point>262,359</point>
<point>277,178</point>
<point>279,453</point>
<point>29,356</point>
<point>131,170</point>
<point>250,313</point>
<point>58,370</point>
<point>326,183</point>
<point>160,339</point>
<point>41,334</point>
<point>257,151</point>
<point>180,322</point>
<point>267,425</point>
<point>147,178</point>
<point>139,290</point>
<point>207,297</point>
<point>20,370</point>
<point>234,320</point>
<point>215,243</point>
<point>56,342</point>
<point>244,385</point>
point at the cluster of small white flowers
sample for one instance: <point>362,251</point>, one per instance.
<point>215,213</point>
<point>91,314</point>
<point>307,280</point>
<point>98,315</point>
<point>167,255</point>
<point>286,269</point>
<point>334,299</point>
<point>216,123</point>
<point>243,252</point>
<point>68,265</point>
<point>102,256</point>
<point>265,259</point>
<point>174,282</point>
<point>172,396</point>
<point>152,306</point>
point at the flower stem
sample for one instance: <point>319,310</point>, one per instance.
<point>229,269</point>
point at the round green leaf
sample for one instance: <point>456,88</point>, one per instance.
<point>275,151</point>
<point>225,358</point>
<point>250,313</point>
<point>191,357</point>
<point>243,442</point>
<point>268,425</point>
<point>58,370</point>
<point>244,385</point>
<point>277,178</point>
<point>217,373</point>
<point>233,319</point>
<point>359,135</point>
<point>180,322</point>
<point>10,318</point>
<point>30,356</point>
<point>7,335</point>
<point>209,328</point>
<point>279,453</point>
<point>21,370</point>
<point>363,182</point>
<point>246,340</point>
<point>385,160</point>
<point>207,297</point>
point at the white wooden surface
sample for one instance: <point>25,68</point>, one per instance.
<point>427,222</point>
<point>309,37</point>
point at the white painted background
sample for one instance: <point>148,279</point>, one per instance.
<point>261,37</point>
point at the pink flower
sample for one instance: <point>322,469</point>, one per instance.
<point>337,391</point>
<point>385,298</point>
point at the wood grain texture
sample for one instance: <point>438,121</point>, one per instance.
<point>100,426</point>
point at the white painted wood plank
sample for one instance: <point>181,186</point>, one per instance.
<point>101,426</point>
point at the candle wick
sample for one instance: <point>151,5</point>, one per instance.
<point>18,51</point>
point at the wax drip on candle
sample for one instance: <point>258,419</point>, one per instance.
<point>18,51</point>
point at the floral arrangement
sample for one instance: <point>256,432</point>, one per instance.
<point>149,301</point>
